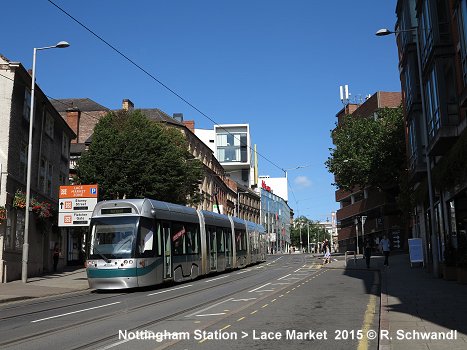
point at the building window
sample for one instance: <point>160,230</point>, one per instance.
<point>19,230</point>
<point>50,171</point>
<point>23,160</point>
<point>62,178</point>
<point>65,145</point>
<point>426,30</point>
<point>46,170</point>
<point>232,147</point>
<point>432,104</point>
<point>412,144</point>
<point>49,125</point>
<point>409,88</point>
<point>462,23</point>
<point>27,104</point>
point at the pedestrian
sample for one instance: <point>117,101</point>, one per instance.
<point>327,252</point>
<point>367,247</point>
<point>385,246</point>
<point>55,256</point>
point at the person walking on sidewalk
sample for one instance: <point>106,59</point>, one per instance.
<point>385,246</point>
<point>367,248</point>
<point>55,256</point>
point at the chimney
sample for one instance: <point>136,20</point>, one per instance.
<point>72,118</point>
<point>178,117</point>
<point>190,124</point>
<point>127,105</point>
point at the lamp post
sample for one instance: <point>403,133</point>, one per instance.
<point>434,241</point>
<point>297,167</point>
<point>24,266</point>
<point>356,232</point>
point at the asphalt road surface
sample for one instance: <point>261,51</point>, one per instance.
<point>288,302</point>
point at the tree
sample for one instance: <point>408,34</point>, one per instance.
<point>369,151</point>
<point>317,232</point>
<point>133,157</point>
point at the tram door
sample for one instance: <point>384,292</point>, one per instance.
<point>212,249</point>
<point>228,249</point>
<point>167,250</point>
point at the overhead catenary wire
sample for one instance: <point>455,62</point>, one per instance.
<point>138,66</point>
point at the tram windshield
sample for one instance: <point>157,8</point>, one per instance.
<point>113,238</point>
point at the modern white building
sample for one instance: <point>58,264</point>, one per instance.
<point>276,185</point>
<point>232,146</point>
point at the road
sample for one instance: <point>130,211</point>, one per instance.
<point>290,301</point>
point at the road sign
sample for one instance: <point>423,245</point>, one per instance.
<point>76,204</point>
<point>74,219</point>
<point>78,191</point>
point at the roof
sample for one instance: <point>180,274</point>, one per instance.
<point>77,148</point>
<point>159,116</point>
<point>83,104</point>
<point>4,58</point>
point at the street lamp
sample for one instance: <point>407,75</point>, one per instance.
<point>384,32</point>
<point>24,270</point>
<point>297,167</point>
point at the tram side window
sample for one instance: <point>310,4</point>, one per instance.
<point>178,238</point>
<point>220,240</point>
<point>147,244</point>
<point>192,239</point>
<point>240,240</point>
<point>228,240</point>
<point>159,239</point>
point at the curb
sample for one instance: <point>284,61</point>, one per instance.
<point>384,344</point>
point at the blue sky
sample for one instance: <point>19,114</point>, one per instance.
<point>275,64</point>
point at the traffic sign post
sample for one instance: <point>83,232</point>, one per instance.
<point>76,204</point>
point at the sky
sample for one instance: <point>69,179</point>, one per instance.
<point>274,64</point>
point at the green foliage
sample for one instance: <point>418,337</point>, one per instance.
<point>133,157</point>
<point>317,232</point>
<point>369,151</point>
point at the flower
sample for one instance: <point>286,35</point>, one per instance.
<point>43,210</point>
<point>19,201</point>
<point>2,213</point>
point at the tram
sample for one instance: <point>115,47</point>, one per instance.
<point>143,242</point>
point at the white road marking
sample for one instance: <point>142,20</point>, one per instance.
<point>209,307</point>
<point>75,312</point>
<point>170,290</point>
<point>207,315</point>
<point>244,299</point>
<point>254,290</point>
<point>215,279</point>
<point>284,277</point>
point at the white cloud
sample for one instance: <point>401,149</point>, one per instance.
<point>302,181</point>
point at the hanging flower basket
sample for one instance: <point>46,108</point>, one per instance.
<point>43,210</point>
<point>2,213</point>
<point>19,201</point>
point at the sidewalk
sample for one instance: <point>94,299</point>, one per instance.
<point>414,301</point>
<point>70,280</point>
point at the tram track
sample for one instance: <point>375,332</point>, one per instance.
<point>30,337</point>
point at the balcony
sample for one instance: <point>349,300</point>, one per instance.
<point>342,194</point>
<point>376,199</point>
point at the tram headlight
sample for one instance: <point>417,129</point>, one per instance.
<point>125,262</point>
<point>131,262</point>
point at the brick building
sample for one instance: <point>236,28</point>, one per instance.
<point>378,208</point>
<point>436,131</point>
